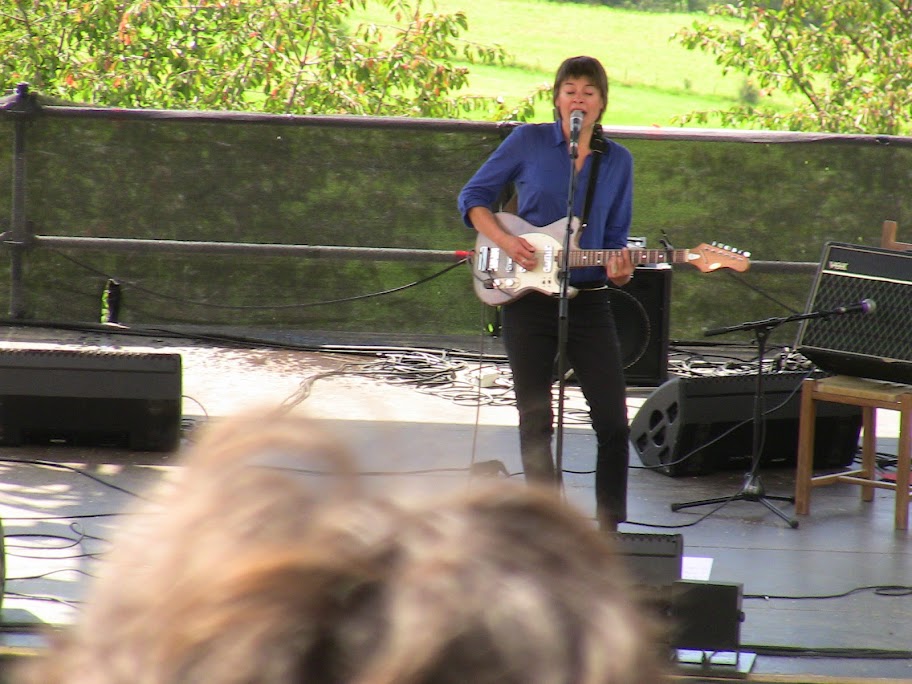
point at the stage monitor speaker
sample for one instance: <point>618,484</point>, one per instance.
<point>707,616</point>
<point>654,560</point>
<point>90,398</point>
<point>877,344</point>
<point>695,426</point>
<point>642,311</point>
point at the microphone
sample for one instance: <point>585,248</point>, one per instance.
<point>865,306</point>
<point>576,125</point>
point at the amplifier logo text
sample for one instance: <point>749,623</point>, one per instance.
<point>838,265</point>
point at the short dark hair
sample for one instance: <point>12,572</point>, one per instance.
<point>582,67</point>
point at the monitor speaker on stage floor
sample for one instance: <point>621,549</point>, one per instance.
<point>695,426</point>
<point>654,560</point>
<point>707,616</point>
<point>642,312</point>
<point>90,398</point>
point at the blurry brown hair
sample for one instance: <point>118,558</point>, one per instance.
<point>501,584</point>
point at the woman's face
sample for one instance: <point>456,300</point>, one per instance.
<point>581,94</point>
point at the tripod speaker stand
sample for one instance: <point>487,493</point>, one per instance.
<point>752,489</point>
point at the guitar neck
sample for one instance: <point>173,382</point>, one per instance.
<point>599,257</point>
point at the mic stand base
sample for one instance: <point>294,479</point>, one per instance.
<point>752,490</point>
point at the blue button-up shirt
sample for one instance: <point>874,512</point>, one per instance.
<point>535,158</point>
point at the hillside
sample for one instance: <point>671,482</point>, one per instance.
<point>653,78</point>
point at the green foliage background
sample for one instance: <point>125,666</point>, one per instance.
<point>286,56</point>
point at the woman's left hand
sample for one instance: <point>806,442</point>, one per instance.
<point>620,267</point>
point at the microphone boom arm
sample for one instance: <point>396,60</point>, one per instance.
<point>864,306</point>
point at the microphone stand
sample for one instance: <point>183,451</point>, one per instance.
<point>753,489</point>
<point>563,319</point>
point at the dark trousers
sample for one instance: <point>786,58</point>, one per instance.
<point>530,329</point>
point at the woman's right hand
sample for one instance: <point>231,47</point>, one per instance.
<point>520,250</point>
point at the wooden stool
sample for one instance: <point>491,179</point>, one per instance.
<point>870,395</point>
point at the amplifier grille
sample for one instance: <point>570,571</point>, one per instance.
<point>884,332</point>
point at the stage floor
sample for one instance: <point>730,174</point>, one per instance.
<point>826,601</point>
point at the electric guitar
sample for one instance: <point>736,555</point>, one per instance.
<point>499,281</point>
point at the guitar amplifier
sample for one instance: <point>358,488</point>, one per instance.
<point>90,398</point>
<point>642,309</point>
<point>877,344</point>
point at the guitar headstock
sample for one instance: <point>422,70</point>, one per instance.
<point>714,256</point>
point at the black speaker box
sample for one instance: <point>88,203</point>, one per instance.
<point>642,312</point>
<point>654,560</point>
<point>90,398</point>
<point>695,426</point>
<point>707,616</point>
<point>877,344</point>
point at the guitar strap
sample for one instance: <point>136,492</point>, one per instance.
<point>597,145</point>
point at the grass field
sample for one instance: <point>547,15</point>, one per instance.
<point>653,78</point>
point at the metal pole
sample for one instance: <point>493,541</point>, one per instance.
<point>23,105</point>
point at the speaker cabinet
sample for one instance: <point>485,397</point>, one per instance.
<point>642,312</point>
<point>707,616</point>
<point>90,399</point>
<point>654,560</point>
<point>874,345</point>
<point>695,426</point>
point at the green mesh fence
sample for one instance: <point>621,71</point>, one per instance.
<point>374,183</point>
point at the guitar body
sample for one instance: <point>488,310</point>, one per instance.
<point>498,280</point>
